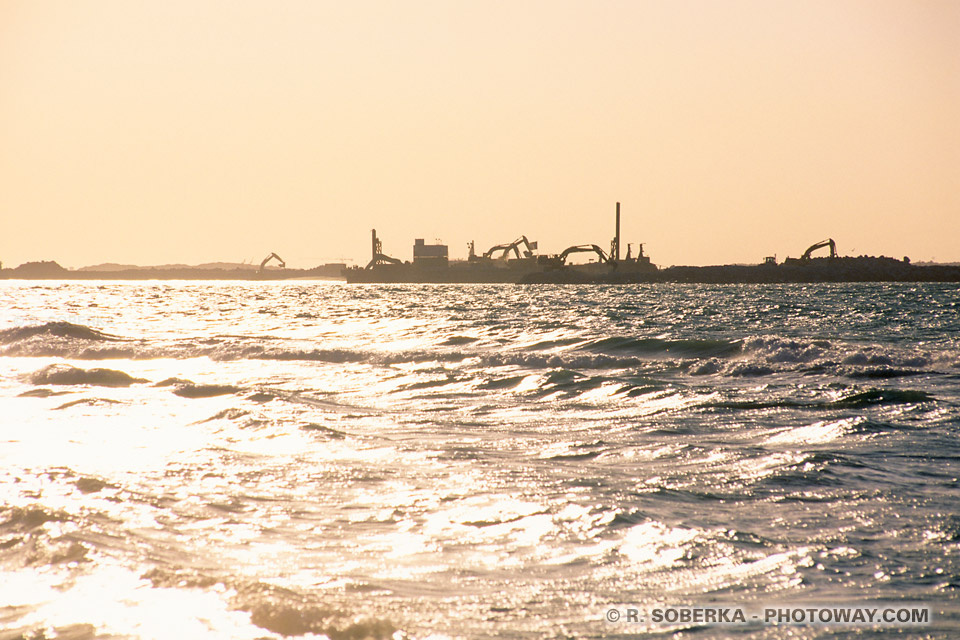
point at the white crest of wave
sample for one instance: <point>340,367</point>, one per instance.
<point>117,602</point>
<point>656,545</point>
<point>816,433</point>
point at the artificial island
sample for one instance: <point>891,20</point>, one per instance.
<point>519,262</point>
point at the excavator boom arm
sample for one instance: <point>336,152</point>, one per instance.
<point>270,257</point>
<point>824,243</point>
<point>513,246</point>
<point>584,248</point>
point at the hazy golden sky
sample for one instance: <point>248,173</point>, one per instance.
<point>194,131</point>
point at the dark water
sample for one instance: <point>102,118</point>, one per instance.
<point>280,459</point>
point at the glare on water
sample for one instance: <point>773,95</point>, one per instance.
<point>350,461</point>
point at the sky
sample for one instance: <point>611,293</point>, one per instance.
<point>189,131</point>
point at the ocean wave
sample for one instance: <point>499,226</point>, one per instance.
<point>767,355</point>
<point>93,402</point>
<point>881,396</point>
<point>231,413</point>
<point>755,356</point>
<point>454,341</point>
<point>822,469</point>
<point>61,374</point>
<point>24,519</point>
<point>171,382</point>
<point>501,383</point>
<point>42,393</point>
<point>751,405</point>
<point>58,329</point>
<point>774,349</point>
<point>746,369</point>
<point>816,433</point>
<point>280,610</point>
<point>880,373</point>
<point>301,618</point>
<point>545,345</point>
<point>73,351</point>
<point>857,400</point>
<point>566,384</point>
<point>204,390</point>
<point>706,367</point>
<point>827,431</point>
<point>430,384</point>
<point>656,546</point>
<point>690,348</point>
<point>334,356</point>
<point>329,432</point>
<point>557,360</point>
<point>31,539</point>
<point>89,484</point>
<point>65,340</point>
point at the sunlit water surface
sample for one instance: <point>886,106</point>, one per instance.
<point>222,460</point>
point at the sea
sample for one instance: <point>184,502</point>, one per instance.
<point>309,459</point>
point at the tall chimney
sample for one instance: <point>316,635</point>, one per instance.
<point>616,249</point>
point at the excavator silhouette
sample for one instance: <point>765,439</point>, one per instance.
<point>513,246</point>
<point>583,248</point>
<point>823,243</point>
<point>272,256</point>
<point>806,257</point>
<point>558,261</point>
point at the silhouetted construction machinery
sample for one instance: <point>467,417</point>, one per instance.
<point>560,260</point>
<point>823,243</point>
<point>517,261</point>
<point>272,256</point>
<point>379,257</point>
<point>806,257</point>
<point>514,246</point>
<point>611,260</point>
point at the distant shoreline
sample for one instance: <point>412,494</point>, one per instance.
<point>820,270</point>
<point>862,269</point>
<point>52,271</point>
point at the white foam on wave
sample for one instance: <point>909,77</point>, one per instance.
<point>753,469</point>
<point>776,571</point>
<point>117,602</point>
<point>776,353</point>
<point>678,559</point>
<point>816,433</point>
<point>655,546</point>
<point>669,400</point>
<point>489,532</point>
<point>774,349</point>
<point>602,393</point>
